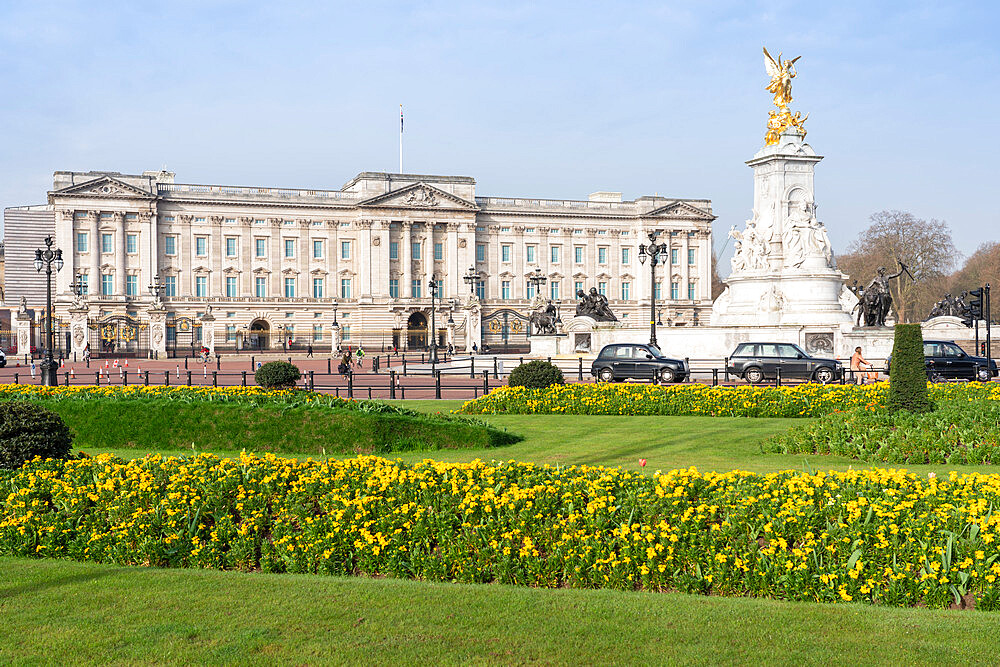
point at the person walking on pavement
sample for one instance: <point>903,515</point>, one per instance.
<point>309,350</point>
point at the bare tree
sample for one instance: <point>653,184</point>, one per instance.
<point>924,246</point>
<point>717,284</point>
<point>983,266</point>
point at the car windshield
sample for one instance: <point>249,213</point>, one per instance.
<point>655,350</point>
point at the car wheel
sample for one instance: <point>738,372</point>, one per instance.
<point>983,374</point>
<point>605,375</point>
<point>936,377</point>
<point>824,375</point>
<point>667,375</point>
<point>753,375</point>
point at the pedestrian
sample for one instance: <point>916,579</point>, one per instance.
<point>32,368</point>
<point>475,348</point>
<point>858,361</point>
<point>395,351</point>
<point>86,352</point>
<point>309,350</point>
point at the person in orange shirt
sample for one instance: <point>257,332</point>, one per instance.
<point>857,363</point>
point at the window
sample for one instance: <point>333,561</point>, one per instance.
<point>345,332</point>
<point>438,251</point>
<point>480,252</point>
<point>317,288</point>
<point>231,246</point>
<point>289,247</point>
<point>317,332</point>
<point>289,288</point>
<point>170,285</point>
<point>657,290</point>
<point>505,289</point>
<point>675,290</point>
<point>554,254</point>
<point>577,286</point>
<point>231,286</point>
<point>602,288</point>
<point>230,333</point>
<point>690,255</point>
<point>201,286</point>
<point>602,255</point>
<point>626,289</point>
<point>626,255</point>
<point>200,219</point>
<point>393,249</point>
<point>529,254</point>
<point>345,288</point>
<point>394,288</point>
<point>107,284</point>
<point>691,291</point>
<point>415,251</point>
<point>415,288</point>
<point>481,289</point>
<point>673,255</point>
<point>169,245</point>
<point>578,254</point>
<point>260,247</point>
<point>440,288</point>
<point>132,285</point>
<point>505,253</point>
<point>317,249</point>
<point>81,241</point>
<point>83,280</point>
<point>554,290</point>
<point>107,243</point>
<point>529,291</point>
<point>345,249</point>
<point>260,287</point>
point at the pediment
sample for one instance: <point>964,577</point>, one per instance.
<point>105,187</point>
<point>419,196</point>
<point>679,209</point>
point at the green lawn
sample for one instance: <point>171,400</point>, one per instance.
<point>708,443</point>
<point>68,613</point>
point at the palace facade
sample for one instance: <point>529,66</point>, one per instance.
<point>262,266</point>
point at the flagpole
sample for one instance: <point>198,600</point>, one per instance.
<point>401,138</point>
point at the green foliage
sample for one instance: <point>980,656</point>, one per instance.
<point>277,375</point>
<point>536,375</point>
<point>907,374</point>
<point>28,430</point>
<point>955,433</point>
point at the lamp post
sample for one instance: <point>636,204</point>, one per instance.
<point>156,288</point>
<point>433,287</point>
<point>47,258</point>
<point>537,280</point>
<point>471,277</point>
<point>335,314</point>
<point>656,253</point>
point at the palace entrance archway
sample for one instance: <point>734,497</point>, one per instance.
<point>416,331</point>
<point>260,335</point>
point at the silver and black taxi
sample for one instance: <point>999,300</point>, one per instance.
<point>637,361</point>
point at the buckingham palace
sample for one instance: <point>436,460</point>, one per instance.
<point>178,265</point>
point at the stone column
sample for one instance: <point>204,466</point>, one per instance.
<point>405,262</point>
<point>158,332</point>
<point>119,219</point>
<point>208,331</point>
<point>473,325</point>
<point>334,338</point>
<point>78,330</point>
<point>95,252</point>
<point>65,240</point>
<point>453,283</point>
<point>23,334</point>
<point>685,267</point>
<point>363,263</point>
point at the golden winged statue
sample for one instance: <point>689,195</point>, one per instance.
<point>781,72</point>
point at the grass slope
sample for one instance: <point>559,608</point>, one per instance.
<point>71,613</point>
<point>152,425</point>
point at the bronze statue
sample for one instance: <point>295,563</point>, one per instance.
<point>543,320</point>
<point>876,300</point>
<point>594,305</point>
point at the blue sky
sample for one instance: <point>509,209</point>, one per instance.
<point>554,99</point>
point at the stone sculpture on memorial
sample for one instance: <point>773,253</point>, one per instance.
<point>594,305</point>
<point>543,320</point>
<point>876,300</point>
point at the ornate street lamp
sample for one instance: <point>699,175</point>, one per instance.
<point>335,313</point>
<point>47,258</point>
<point>657,253</point>
<point>156,288</point>
<point>471,277</point>
<point>537,280</point>
<point>433,287</point>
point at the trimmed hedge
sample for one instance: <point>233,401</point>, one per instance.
<point>277,375</point>
<point>536,375</point>
<point>28,430</point>
<point>907,373</point>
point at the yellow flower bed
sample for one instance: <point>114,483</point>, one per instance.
<point>803,400</point>
<point>880,536</point>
